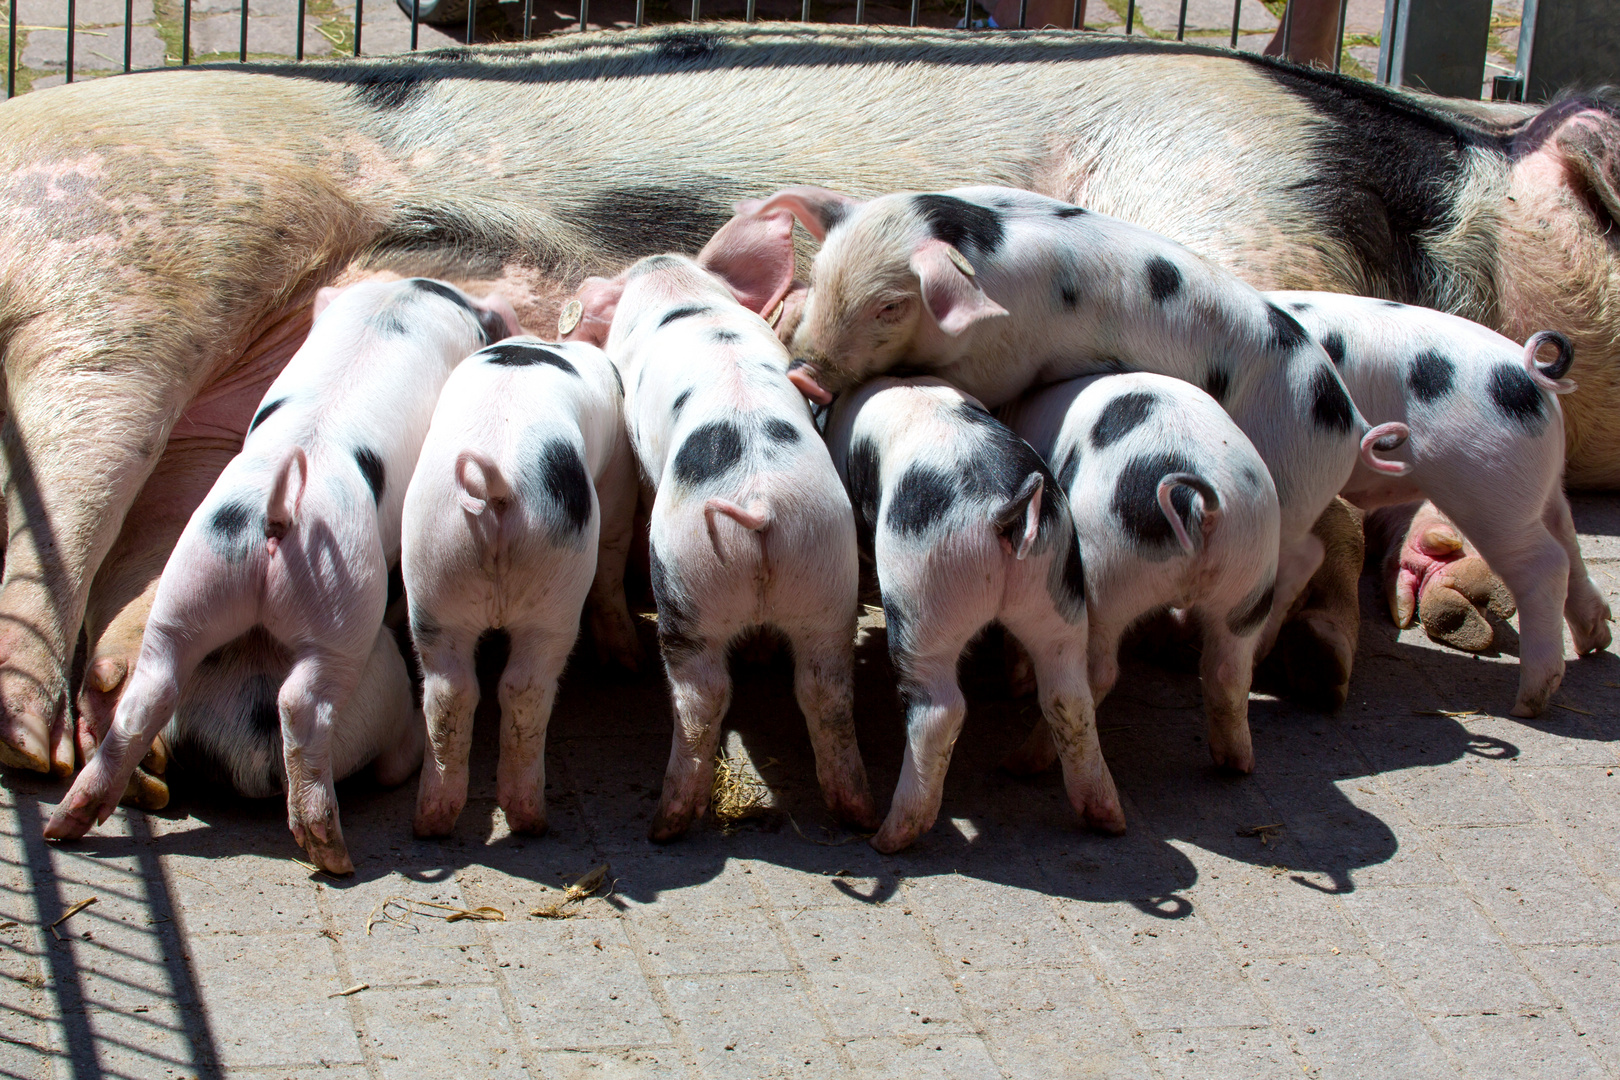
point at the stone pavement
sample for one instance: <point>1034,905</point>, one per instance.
<point>1437,894</point>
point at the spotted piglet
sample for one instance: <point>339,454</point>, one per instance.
<point>296,538</point>
<point>966,528</point>
<point>1487,448</point>
<point>750,526</point>
<point>519,512</point>
<point>1174,508</point>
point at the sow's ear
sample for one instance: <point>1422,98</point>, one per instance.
<point>599,300</point>
<point>753,255</point>
<point>497,317</point>
<point>948,290</point>
<point>818,209</point>
<point>1583,137</point>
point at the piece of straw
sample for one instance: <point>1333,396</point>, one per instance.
<point>399,910</point>
<point>68,914</point>
<point>587,886</point>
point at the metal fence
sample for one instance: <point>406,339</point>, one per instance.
<point>473,8</point>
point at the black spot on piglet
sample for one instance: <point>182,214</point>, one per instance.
<point>1431,376</point>
<point>371,467</point>
<point>975,230</point>
<point>1121,416</point>
<point>1333,345</point>
<point>780,431</point>
<point>709,452</point>
<point>1136,497</point>
<point>1286,333</point>
<point>265,412</point>
<point>517,354</point>
<point>1330,405</point>
<point>921,498</point>
<point>565,480</point>
<point>1164,280</point>
<point>1516,395</point>
<point>1249,615</point>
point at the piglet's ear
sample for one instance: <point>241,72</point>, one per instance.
<point>818,209</point>
<point>753,254</point>
<point>324,298</point>
<point>497,317</point>
<point>953,297</point>
<point>599,300</point>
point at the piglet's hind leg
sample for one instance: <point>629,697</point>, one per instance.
<point>823,681</point>
<point>701,687</point>
<point>449,699</point>
<point>528,691</point>
<point>1060,669</point>
<point>310,701</point>
<point>935,710</point>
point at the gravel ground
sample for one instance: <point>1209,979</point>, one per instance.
<point>1436,892</point>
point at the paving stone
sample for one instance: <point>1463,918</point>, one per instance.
<point>1528,1046</point>
<point>1204,15</point>
<point>750,1026</point>
<point>1443,951</point>
<point>875,972</point>
<point>247,894</point>
<point>1585,802</point>
<point>640,1063</point>
<point>577,983</point>
<point>1170,972</point>
<point>85,12</point>
<point>269,1002</point>
<point>1536,893</point>
<point>1587,980</point>
<point>451,1032</point>
<point>1462,792</point>
<point>1354,835</point>
<point>1347,1021</point>
<point>413,948</point>
<point>381,34</point>
<point>708,928</point>
<point>991,926</point>
<point>1558,737</point>
<point>942,1057</point>
<point>275,34</point>
<point>1199,1053</point>
<point>1278,915</point>
<point>1037,1016</point>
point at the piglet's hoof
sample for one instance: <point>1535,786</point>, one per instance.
<point>669,826</point>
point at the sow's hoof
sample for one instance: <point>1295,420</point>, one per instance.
<point>145,791</point>
<point>1455,602</point>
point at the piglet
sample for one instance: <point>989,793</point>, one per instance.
<point>1487,448</point>
<point>519,511</point>
<point>750,526</point>
<point>296,538</point>
<point>966,528</point>
<point>1174,509</point>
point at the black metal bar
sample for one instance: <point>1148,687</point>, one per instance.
<point>750,16</point>
<point>472,20</point>
<point>641,11</point>
<point>1237,14</point>
<point>696,12</point>
<point>73,17</point>
<point>1338,51</point>
<point>359,15</point>
<point>241,48</point>
<point>185,34</point>
<point>860,12</point>
<point>129,29</point>
<point>1023,13</point>
<point>1288,30</point>
<point>1181,22</point>
<point>416,20</point>
<point>11,55</point>
<point>1130,15</point>
<point>584,13</point>
<point>528,18</point>
<point>967,13</point>
<point>804,11</point>
<point>1074,17</point>
<point>914,12</point>
<point>301,29</point>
